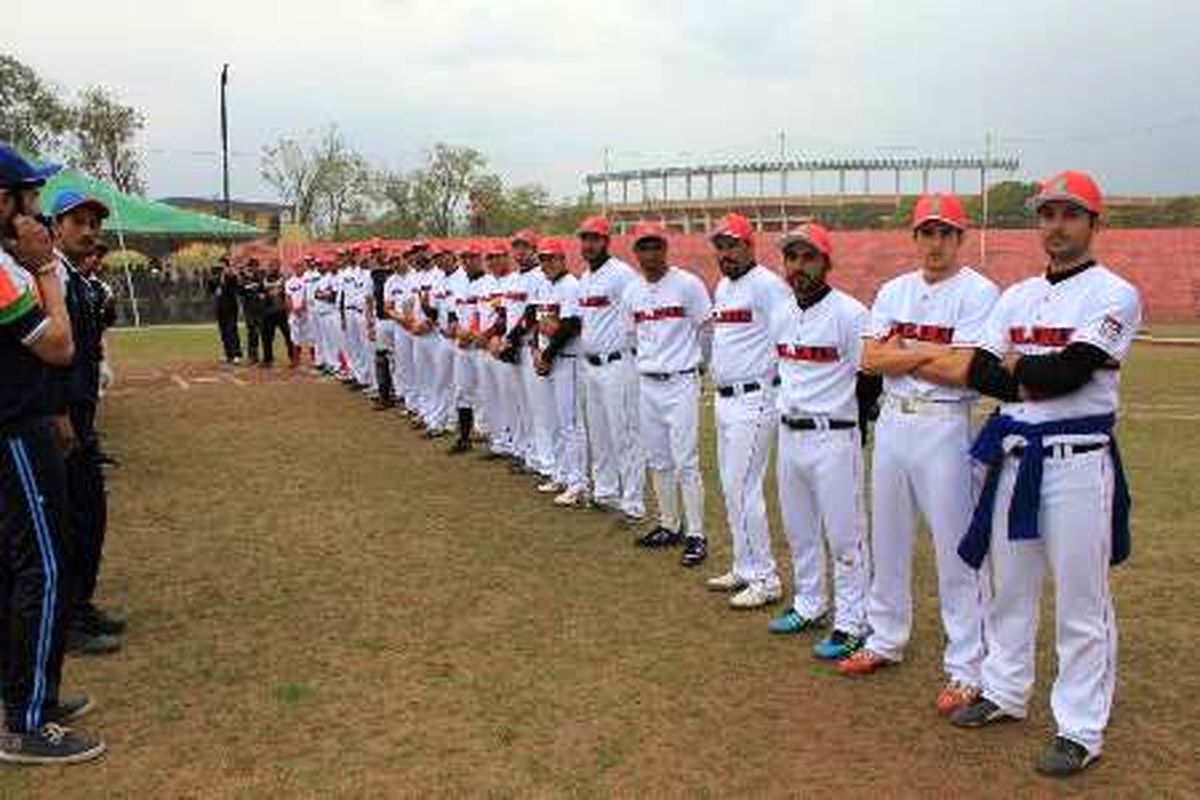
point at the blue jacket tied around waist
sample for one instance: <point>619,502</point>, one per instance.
<point>1027,493</point>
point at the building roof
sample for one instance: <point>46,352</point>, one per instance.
<point>238,205</point>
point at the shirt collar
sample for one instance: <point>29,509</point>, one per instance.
<point>1059,277</point>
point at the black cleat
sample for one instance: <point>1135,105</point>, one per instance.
<point>81,642</point>
<point>659,538</point>
<point>695,550</point>
<point>52,744</point>
<point>980,713</point>
<point>1064,759</point>
<point>67,709</point>
<point>92,620</point>
<point>459,447</point>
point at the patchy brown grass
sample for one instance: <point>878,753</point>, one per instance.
<point>323,604</point>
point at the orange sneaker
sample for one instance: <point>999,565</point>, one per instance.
<point>863,662</point>
<point>954,696</point>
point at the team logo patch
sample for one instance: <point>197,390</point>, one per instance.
<point>1111,328</point>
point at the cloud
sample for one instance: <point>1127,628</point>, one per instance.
<point>544,88</point>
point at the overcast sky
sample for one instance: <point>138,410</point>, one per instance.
<point>542,88</point>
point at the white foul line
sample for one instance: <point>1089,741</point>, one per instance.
<point>180,382</point>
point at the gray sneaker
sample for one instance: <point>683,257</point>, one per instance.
<point>84,643</point>
<point>980,713</point>
<point>52,744</point>
<point>1064,759</point>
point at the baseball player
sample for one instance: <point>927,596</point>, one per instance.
<point>556,360</point>
<point>671,314</point>
<point>521,318</point>
<point>465,327</point>
<point>744,372</point>
<point>357,308</point>
<point>499,376</point>
<point>921,460</point>
<point>329,324</point>
<point>512,399</point>
<point>380,272</point>
<point>1055,496</point>
<point>610,389</point>
<point>426,281</point>
<point>452,283</point>
<point>295,292</point>
<point>542,417</point>
<point>818,338</point>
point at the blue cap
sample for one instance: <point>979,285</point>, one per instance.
<point>16,171</point>
<point>69,199</point>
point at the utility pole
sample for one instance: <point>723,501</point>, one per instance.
<point>225,142</point>
<point>607,156</point>
<point>983,189</point>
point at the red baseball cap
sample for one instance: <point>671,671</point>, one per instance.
<point>939,207</point>
<point>734,226</point>
<point>1070,186</point>
<point>595,225</point>
<point>470,248</point>
<point>813,234</point>
<point>551,246</point>
<point>420,243</point>
<point>526,235</point>
<point>647,229</point>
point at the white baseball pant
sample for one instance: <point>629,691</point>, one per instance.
<point>1075,525</point>
<point>820,480</point>
<point>618,467</point>
<point>570,439</point>
<point>669,416</point>
<point>543,416</point>
<point>921,461</point>
<point>745,429</point>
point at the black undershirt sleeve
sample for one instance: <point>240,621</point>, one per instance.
<point>568,329</point>
<point>1060,373</point>
<point>868,390</point>
<point>987,376</point>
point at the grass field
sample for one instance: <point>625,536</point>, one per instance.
<point>323,604</point>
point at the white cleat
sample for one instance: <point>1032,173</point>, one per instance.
<point>756,595</point>
<point>550,487</point>
<point>729,582</point>
<point>571,497</point>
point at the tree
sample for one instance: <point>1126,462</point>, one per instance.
<point>294,172</point>
<point>32,117</point>
<point>403,214</point>
<point>445,184</point>
<point>103,133</point>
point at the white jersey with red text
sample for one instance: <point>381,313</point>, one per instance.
<point>668,317</point>
<point>606,326</point>
<point>742,349</point>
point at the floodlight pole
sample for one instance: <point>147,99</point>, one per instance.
<point>225,142</point>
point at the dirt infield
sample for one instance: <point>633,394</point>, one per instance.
<point>323,604</point>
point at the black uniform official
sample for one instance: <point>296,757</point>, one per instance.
<point>254,305</point>
<point>380,272</point>
<point>275,317</point>
<point>224,286</point>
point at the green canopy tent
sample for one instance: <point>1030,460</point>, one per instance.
<point>151,225</point>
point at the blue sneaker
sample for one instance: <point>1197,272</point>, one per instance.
<point>837,645</point>
<point>790,621</point>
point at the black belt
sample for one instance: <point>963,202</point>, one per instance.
<point>666,376</point>
<point>601,360</point>
<point>745,388</point>
<point>1062,450</point>
<point>810,424</point>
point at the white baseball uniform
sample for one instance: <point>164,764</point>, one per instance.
<point>610,389</point>
<point>543,415</point>
<point>466,368</point>
<point>356,294</point>
<point>395,299</point>
<point>511,401</point>
<point>670,317</point>
<point>820,468</point>
<point>1075,517</point>
<point>744,372</point>
<point>295,292</point>
<point>444,303</point>
<point>329,321</point>
<point>921,462</point>
<point>487,418</point>
<point>424,283</point>
<point>560,301</point>
<point>312,335</point>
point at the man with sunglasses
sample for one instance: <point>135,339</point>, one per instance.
<point>1055,496</point>
<point>920,460</point>
<point>35,580</point>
